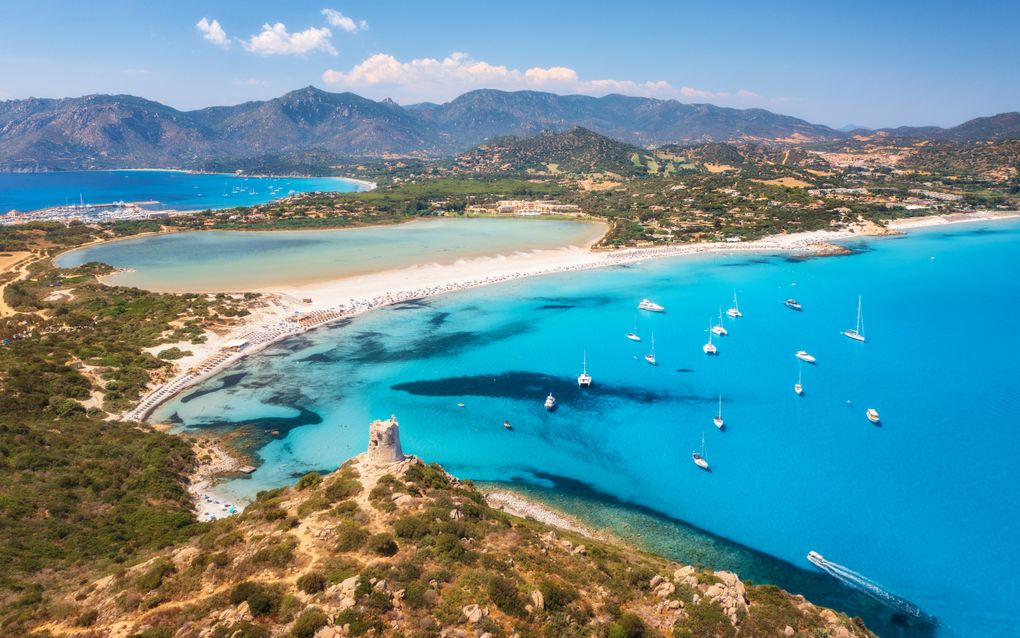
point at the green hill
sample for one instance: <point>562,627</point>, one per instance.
<point>575,151</point>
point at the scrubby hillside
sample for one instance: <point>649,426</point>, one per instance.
<point>577,151</point>
<point>406,550</point>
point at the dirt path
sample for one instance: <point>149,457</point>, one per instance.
<point>18,263</point>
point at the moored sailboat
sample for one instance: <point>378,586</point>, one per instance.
<point>735,310</point>
<point>855,333</point>
<point>699,459</point>
<point>718,420</point>
<point>584,379</point>
<point>719,328</point>
<point>650,357</point>
<point>633,336</point>
<point>798,387</point>
<point>709,348</point>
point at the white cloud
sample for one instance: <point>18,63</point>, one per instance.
<point>276,40</point>
<point>213,32</point>
<point>340,21</point>
<point>435,79</point>
<point>136,72</point>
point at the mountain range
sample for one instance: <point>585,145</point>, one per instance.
<point>107,131</point>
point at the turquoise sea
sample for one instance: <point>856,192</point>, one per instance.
<point>924,504</point>
<point>177,190</point>
<point>213,261</point>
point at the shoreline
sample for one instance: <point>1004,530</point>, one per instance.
<point>288,315</point>
<point>516,504</point>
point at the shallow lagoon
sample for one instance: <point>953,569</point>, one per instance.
<point>924,504</point>
<point>215,261</point>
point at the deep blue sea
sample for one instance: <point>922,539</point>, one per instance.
<point>175,190</point>
<point>924,504</point>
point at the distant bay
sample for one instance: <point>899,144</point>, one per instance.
<point>173,190</point>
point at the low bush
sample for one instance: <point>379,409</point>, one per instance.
<point>350,538</point>
<point>630,626</point>
<point>382,544</point>
<point>312,582</point>
<point>262,600</point>
<point>309,480</point>
<point>310,621</point>
<point>504,594</point>
<point>153,577</point>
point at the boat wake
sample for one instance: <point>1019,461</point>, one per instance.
<point>862,583</point>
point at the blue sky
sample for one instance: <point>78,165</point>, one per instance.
<point>869,63</point>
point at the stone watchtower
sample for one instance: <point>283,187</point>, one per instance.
<point>384,442</point>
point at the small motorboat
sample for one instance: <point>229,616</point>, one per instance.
<point>651,306</point>
<point>550,402</point>
<point>793,304</point>
<point>872,415</point>
<point>507,425</point>
<point>805,357</point>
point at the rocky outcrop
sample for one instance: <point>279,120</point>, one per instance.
<point>381,549</point>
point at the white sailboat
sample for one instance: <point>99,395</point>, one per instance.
<point>718,420</point>
<point>735,310</point>
<point>797,387</point>
<point>699,459</point>
<point>584,379</point>
<point>719,328</point>
<point>650,357</point>
<point>855,333</point>
<point>709,347</point>
<point>633,336</point>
